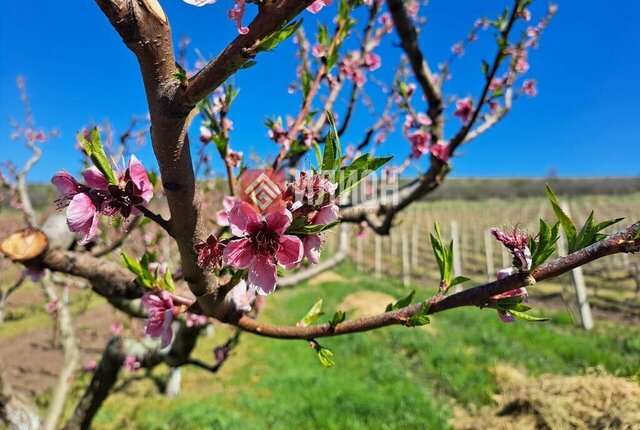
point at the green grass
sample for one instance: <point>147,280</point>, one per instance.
<point>391,378</point>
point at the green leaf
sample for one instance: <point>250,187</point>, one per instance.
<point>420,318</point>
<point>331,146</point>
<point>338,317</point>
<point>443,254</point>
<point>401,303</point>
<point>96,153</point>
<point>458,280</point>
<point>298,227</point>
<point>526,317</point>
<point>545,246</point>
<point>248,64</point>
<point>312,315</point>
<point>348,177</point>
<point>270,42</point>
<point>485,68</point>
<point>325,356</point>
<point>180,74</point>
<point>564,219</point>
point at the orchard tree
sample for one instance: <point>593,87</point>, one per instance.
<point>276,212</point>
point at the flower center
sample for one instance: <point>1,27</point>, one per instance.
<point>265,240</point>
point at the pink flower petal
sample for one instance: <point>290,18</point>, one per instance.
<point>290,252</point>
<point>238,253</point>
<point>82,217</point>
<point>65,183</point>
<point>327,214</point>
<point>243,219</point>
<point>140,178</point>
<point>279,220</point>
<point>262,275</point>
<point>312,244</point>
<point>95,179</point>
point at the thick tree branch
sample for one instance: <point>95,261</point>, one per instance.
<point>272,16</point>
<point>625,241</point>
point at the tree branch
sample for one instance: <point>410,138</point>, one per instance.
<point>70,358</point>
<point>272,16</point>
<point>409,39</point>
<point>626,240</point>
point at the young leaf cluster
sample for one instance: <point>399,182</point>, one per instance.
<point>146,277</point>
<point>346,176</point>
<point>516,308</point>
<point>587,235</point>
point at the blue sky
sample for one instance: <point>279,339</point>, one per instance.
<point>584,122</point>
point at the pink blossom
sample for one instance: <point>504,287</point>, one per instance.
<point>496,84</point>
<point>380,138</point>
<point>158,323</point>
<point>464,109</point>
<point>157,268</point>
<point>205,134</point>
<point>363,228</point>
<point>386,21</point>
<point>279,135</point>
<point>210,253</point>
<point>82,217</point>
<point>349,68</point>
<point>91,366</point>
<point>529,87</point>
<point>195,320</point>
<point>310,190</point>
<point>517,242</point>
<point>233,158</point>
<point>317,5</point>
<point>419,143</point>
<point>423,119</point>
<point>525,14</point>
<point>116,328</point>
<point>131,363</point>
<point>325,215</point>
<point>240,297</point>
<point>52,307</point>
<point>236,13</point>
<point>227,125</point>
<point>521,59</point>
<point>441,150</point>
<point>505,316</point>
<point>199,3</point>
<point>494,106</point>
<point>412,7</point>
<point>222,217</point>
<point>262,244</point>
<point>372,61</point>
<point>458,49</point>
<point>312,244</point>
<point>319,51</point>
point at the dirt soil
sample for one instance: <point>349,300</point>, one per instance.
<point>32,360</point>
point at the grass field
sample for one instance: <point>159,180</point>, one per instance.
<point>393,378</point>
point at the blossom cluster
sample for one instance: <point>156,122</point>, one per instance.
<point>97,195</point>
<point>287,232</point>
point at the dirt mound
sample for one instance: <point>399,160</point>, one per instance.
<point>558,402</point>
<point>364,303</point>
